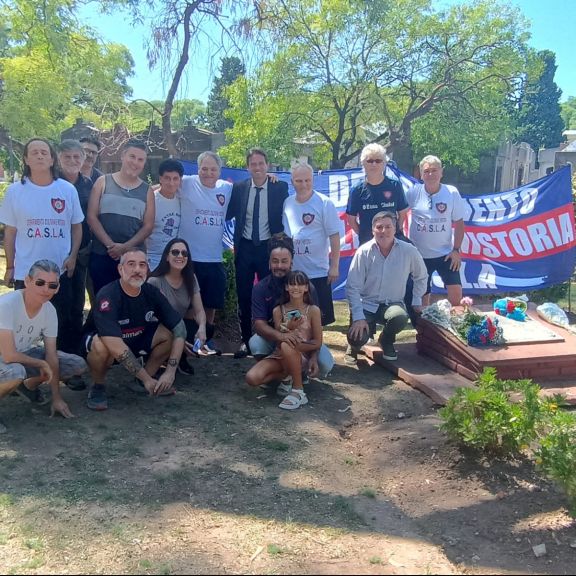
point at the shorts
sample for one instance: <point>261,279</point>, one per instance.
<point>449,277</point>
<point>325,303</point>
<point>139,346</point>
<point>69,365</point>
<point>212,280</point>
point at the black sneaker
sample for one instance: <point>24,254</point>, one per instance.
<point>97,399</point>
<point>242,352</point>
<point>35,396</point>
<point>185,368</point>
<point>76,383</point>
<point>388,351</point>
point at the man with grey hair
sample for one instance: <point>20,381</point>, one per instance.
<point>71,155</point>
<point>204,201</point>
<point>312,221</point>
<point>132,318</point>
<point>376,287</point>
<point>437,227</point>
<point>28,330</point>
<point>378,192</point>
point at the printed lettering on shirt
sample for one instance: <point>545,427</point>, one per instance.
<point>302,247</point>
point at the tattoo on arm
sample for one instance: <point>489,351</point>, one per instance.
<point>129,361</point>
<point>173,362</point>
<point>179,331</point>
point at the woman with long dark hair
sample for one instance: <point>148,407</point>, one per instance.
<point>174,277</point>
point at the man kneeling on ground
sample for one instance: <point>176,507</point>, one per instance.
<point>265,297</point>
<point>132,319</point>
<point>376,287</point>
<point>28,332</point>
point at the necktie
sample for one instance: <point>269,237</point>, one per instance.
<point>256,218</point>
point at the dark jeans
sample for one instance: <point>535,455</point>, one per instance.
<point>250,261</point>
<point>103,270</point>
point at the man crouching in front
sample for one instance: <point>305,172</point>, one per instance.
<point>131,319</point>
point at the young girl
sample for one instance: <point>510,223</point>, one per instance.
<point>300,322</point>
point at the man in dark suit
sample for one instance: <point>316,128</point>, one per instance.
<point>256,204</point>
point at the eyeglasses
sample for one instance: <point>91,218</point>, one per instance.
<point>52,285</point>
<point>177,253</point>
<point>374,161</point>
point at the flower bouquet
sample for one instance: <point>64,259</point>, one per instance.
<point>476,329</point>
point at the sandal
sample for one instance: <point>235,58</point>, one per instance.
<point>294,400</point>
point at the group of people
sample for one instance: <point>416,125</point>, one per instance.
<point>151,261</point>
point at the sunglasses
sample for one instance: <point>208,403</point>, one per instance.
<point>177,253</point>
<point>52,285</point>
<point>374,161</point>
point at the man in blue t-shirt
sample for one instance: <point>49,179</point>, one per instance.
<point>378,193</point>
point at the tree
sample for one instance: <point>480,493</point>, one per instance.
<point>568,111</point>
<point>350,71</point>
<point>230,69</point>
<point>540,122</point>
<point>52,70</point>
<point>140,113</point>
<point>177,25</point>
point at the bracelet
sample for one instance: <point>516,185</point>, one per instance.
<point>456,250</point>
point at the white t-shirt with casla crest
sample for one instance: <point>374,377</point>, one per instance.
<point>310,224</point>
<point>43,217</point>
<point>203,215</point>
<point>432,218</point>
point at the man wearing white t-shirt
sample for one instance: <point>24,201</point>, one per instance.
<point>311,220</point>
<point>436,209</point>
<point>167,218</point>
<point>28,329</point>
<point>204,201</point>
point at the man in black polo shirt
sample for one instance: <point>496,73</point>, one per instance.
<point>132,318</point>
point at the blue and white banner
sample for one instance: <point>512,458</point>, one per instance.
<point>515,241</point>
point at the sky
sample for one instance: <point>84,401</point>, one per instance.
<point>553,26</point>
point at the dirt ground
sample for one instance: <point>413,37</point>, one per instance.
<point>217,479</point>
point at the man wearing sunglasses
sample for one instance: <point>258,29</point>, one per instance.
<point>379,192</point>
<point>131,319</point>
<point>437,227</point>
<point>28,330</point>
<point>91,147</point>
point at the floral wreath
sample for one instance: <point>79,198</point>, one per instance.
<point>512,308</point>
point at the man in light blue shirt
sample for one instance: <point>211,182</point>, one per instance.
<point>376,286</point>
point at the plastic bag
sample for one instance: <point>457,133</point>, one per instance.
<point>553,313</point>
